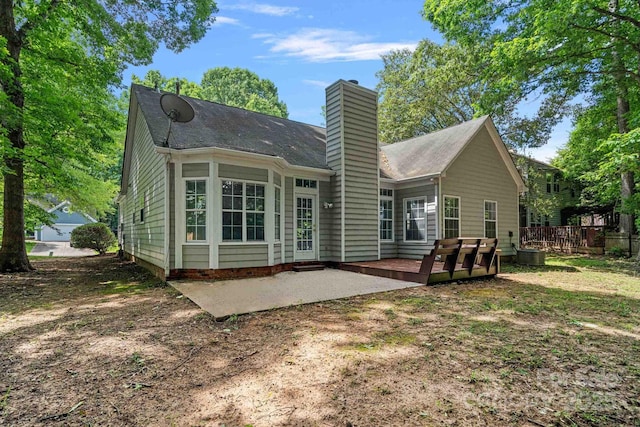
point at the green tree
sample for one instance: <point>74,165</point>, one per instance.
<point>239,87</point>
<point>437,86</point>
<point>153,78</point>
<point>596,152</point>
<point>425,90</point>
<point>57,62</point>
<point>552,49</point>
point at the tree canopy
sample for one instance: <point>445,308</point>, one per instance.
<point>58,63</point>
<point>441,85</point>
<point>236,87</point>
<point>554,51</point>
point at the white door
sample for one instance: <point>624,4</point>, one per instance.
<point>305,233</point>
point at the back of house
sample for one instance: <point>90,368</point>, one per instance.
<point>234,193</point>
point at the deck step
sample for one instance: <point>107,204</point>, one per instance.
<point>308,267</point>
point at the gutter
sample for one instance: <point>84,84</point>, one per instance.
<point>244,155</point>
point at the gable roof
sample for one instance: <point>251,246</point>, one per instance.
<point>429,154</point>
<point>220,126</point>
<point>434,153</point>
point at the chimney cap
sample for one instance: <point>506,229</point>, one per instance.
<point>355,82</point>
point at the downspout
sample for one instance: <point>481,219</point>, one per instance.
<point>439,207</point>
<point>167,213</point>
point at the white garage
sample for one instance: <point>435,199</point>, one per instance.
<point>65,221</point>
<point>61,233</point>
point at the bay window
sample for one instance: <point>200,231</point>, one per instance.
<point>196,210</point>
<point>243,210</point>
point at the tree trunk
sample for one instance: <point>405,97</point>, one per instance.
<point>627,184</point>
<point>13,253</point>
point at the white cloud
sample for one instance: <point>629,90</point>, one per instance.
<point>264,9</point>
<point>262,36</point>
<point>222,20</point>
<point>330,45</point>
<point>318,83</point>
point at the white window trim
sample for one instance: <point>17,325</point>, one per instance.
<point>484,220</point>
<point>404,220</point>
<point>244,240</point>
<point>393,216</point>
<point>445,217</point>
<point>183,209</point>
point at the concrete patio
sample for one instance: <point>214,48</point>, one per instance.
<point>227,297</point>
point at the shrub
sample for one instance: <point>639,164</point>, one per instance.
<point>93,236</point>
<point>617,252</point>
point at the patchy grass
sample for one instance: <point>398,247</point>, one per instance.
<point>98,342</point>
<point>30,245</point>
<point>113,287</point>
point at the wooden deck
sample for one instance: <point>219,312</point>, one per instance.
<point>409,270</point>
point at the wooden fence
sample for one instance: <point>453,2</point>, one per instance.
<point>565,238</point>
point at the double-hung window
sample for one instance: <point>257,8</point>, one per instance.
<point>415,228</point>
<point>451,217</point>
<point>278,213</point>
<point>196,210</point>
<point>490,219</point>
<point>243,206</point>
<point>386,214</point>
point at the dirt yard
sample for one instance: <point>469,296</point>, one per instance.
<point>93,341</point>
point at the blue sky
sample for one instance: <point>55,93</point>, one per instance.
<point>303,46</point>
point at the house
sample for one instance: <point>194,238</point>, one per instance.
<point>551,199</point>
<point>235,193</point>
<point>64,222</point>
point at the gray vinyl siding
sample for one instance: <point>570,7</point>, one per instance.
<point>414,250</point>
<point>360,174</point>
<point>195,256</point>
<point>325,222</point>
<point>288,219</point>
<point>480,174</point>
<point>332,243</point>
<point>277,179</point>
<point>243,173</point>
<point>352,151</point>
<point>172,216</point>
<point>277,258</point>
<point>239,256</point>
<point>334,161</point>
<point>388,250</point>
<point>195,170</point>
<point>145,240</point>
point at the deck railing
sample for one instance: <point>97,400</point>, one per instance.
<point>564,238</point>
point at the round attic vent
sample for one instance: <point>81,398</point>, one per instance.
<point>355,82</point>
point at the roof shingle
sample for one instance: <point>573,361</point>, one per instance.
<point>429,154</point>
<point>221,126</point>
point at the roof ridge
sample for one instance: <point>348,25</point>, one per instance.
<point>480,119</point>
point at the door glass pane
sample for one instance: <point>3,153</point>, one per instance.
<point>304,224</point>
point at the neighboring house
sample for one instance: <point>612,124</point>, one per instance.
<point>238,193</point>
<point>547,182</point>
<point>65,221</point>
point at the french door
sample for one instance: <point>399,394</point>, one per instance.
<point>305,231</point>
